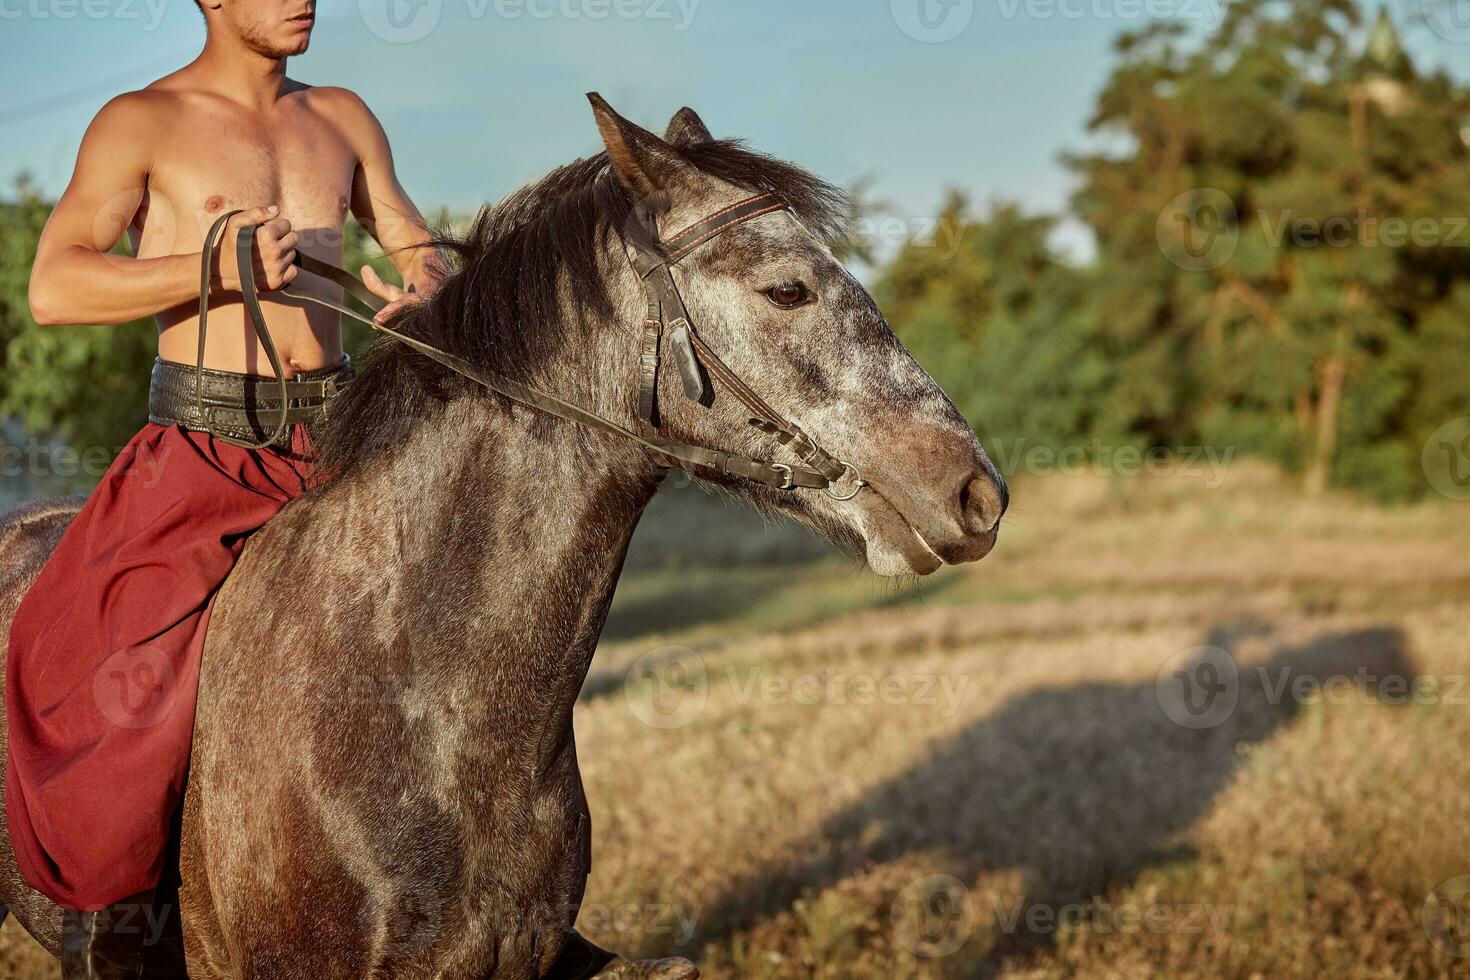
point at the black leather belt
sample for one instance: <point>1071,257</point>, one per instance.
<point>241,409</point>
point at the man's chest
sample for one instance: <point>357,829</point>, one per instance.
<point>200,172</point>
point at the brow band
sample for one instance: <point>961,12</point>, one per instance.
<point>686,241</point>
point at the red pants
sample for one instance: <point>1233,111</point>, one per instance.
<point>103,666</point>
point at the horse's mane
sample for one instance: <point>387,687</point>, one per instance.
<point>502,304</point>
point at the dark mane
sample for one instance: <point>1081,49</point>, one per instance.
<point>499,305</point>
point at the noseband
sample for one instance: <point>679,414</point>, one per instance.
<point>667,315</point>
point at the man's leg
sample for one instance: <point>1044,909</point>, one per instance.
<point>103,673</point>
<point>106,944</point>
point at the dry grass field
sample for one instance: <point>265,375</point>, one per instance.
<point>1166,730</point>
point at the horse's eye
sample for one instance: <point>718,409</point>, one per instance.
<point>789,295</point>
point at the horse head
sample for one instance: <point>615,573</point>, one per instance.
<point>779,308</point>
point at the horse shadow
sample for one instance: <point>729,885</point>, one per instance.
<point>1079,789</point>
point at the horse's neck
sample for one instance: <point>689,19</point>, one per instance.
<point>490,546</point>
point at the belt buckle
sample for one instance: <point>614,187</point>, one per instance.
<point>790,477</point>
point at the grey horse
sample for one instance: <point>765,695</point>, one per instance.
<point>383,780</point>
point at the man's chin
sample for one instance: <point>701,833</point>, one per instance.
<point>290,48</point>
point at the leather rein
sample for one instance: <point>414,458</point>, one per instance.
<point>667,314</point>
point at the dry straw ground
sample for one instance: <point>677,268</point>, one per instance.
<point>814,774</point>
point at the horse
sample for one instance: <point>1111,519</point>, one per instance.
<point>383,780</point>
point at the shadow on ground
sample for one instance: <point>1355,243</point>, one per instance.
<point>1078,788</point>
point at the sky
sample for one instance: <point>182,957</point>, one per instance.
<point>480,96</point>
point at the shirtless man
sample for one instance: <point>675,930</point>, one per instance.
<point>91,789</point>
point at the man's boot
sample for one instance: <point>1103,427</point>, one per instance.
<point>106,944</point>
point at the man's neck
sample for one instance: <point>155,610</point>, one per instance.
<point>240,72</point>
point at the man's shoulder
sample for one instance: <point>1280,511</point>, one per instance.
<point>331,98</point>
<point>134,113</point>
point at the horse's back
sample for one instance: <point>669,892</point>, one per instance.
<point>29,534</point>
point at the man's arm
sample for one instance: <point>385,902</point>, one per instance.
<point>383,208</point>
<point>76,280</point>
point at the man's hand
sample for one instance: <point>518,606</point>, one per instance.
<point>397,299</point>
<point>272,258</point>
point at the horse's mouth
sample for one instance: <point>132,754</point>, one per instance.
<point>895,545</point>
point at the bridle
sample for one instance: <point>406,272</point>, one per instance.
<point>696,362</point>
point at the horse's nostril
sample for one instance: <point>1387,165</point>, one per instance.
<point>983,499</point>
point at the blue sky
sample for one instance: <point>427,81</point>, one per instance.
<point>479,96</point>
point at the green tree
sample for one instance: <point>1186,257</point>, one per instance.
<point>1250,262</point>
<point>84,386</point>
<point>1005,327</point>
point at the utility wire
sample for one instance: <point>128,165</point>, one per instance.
<point>108,85</point>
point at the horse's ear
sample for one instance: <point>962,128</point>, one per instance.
<point>643,162</point>
<point>686,129</point>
